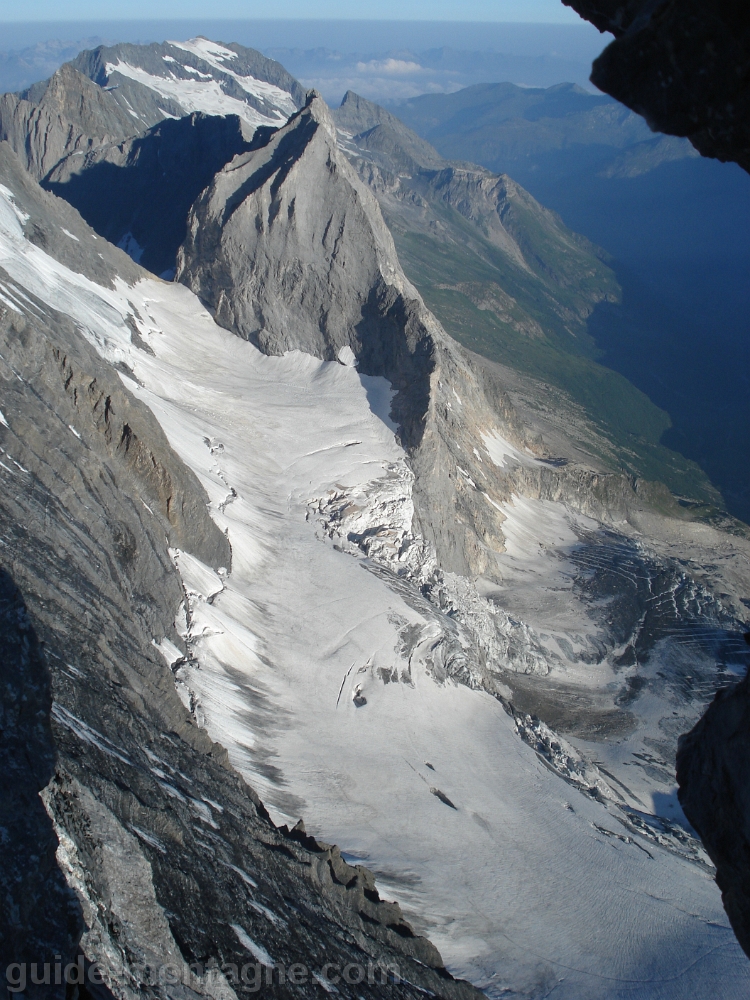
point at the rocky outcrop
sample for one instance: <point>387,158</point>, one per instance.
<point>129,840</point>
<point>137,193</point>
<point>684,66</point>
<point>67,113</point>
<point>713,763</point>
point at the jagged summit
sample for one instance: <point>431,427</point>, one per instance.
<point>292,228</point>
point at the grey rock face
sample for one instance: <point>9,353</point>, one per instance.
<point>284,192</point>
<point>289,248</point>
<point>41,914</point>
<point>68,113</point>
<point>171,62</point>
<point>164,850</point>
<point>137,193</point>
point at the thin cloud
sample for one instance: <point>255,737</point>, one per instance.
<point>390,67</point>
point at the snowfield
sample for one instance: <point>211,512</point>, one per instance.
<point>206,93</point>
<point>321,674</point>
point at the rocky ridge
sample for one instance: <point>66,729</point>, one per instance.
<point>509,281</point>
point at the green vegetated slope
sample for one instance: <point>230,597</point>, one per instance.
<point>677,227</point>
<point>536,325</point>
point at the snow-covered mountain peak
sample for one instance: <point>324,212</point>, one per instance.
<point>195,76</point>
<point>110,94</point>
<point>176,78</point>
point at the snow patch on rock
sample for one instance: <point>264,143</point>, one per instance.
<point>209,97</point>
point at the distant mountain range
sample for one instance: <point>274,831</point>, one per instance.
<point>380,59</point>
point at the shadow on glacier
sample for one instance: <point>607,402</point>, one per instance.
<point>379,398</point>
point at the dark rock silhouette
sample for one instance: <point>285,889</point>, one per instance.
<point>682,64</point>
<point>713,764</point>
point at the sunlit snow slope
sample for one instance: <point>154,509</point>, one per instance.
<point>197,75</point>
<point>316,671</point>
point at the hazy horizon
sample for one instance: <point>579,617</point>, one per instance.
<point>384,60</point>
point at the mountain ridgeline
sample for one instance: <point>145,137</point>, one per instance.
<point>675,225</point>
<point>522,288</point>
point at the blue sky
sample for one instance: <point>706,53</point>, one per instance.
<point>429,10</point>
